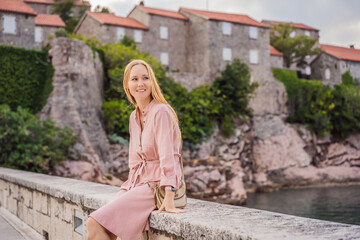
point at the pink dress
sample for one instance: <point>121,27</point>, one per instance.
<point>156,149</point>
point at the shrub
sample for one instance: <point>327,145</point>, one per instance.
<point>233,91</point>
<point>25,77</point>
<point>347,79</point>
<point>28,144</point>
<point>61,33</point>
<point>346,114</point>
<point>324,110</point>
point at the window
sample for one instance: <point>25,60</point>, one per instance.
<point>9,24</point>
<point>308,70</point>
<point>253,32</point>
<point>138,36</point>
<point>226,28</point>
<point>120,33</point>
<point>327,74</point>
<point>307,33</point>
<point>164,58</point>
<point>163,32</point>
<point>227,54</point>
<point>307,57</point>
<point>38,34</point>
<point>254,56</point>
<point>292,34</point>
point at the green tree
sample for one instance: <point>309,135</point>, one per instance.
<point>65,9</point>
<point>98,8</point>
<point>347,79</point>
<point>294,49</point>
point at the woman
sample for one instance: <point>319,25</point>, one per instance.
<point>154,151</point>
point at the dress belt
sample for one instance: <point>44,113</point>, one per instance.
<point>142,165</point>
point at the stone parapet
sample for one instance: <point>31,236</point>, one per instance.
<point>57,208</point>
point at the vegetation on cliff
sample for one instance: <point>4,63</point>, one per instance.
<point>31,145</point>
<point>25,84</point>
<point>325,110</point>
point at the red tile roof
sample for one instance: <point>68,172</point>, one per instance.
<point>297,25</point>
<point>15,6</point>
<point>76,2</point>
<point>161,12</point>
<point>111,19</point>
<point>228,17</point>
<point>49,20</point>
<point>343,53</point>
<point>274,52</point>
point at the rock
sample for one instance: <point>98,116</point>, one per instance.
<point>268,126</point>
<point>260,178</point>
<point>206,148</point>
<point>323,140</point>
<point>269,98</point>
<point>77,98</point>
<point>215,175</point>
<point>304,133</point>
<point>311,175</point>
<point>238,193</point>
<point>280,152</point>
<point>85,171</point>
<point>339,154</point>
<point>354,140</point>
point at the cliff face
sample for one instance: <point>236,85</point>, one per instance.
<point>76,101</point>
<point>265,154</point>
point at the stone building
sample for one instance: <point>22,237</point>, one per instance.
<point>17,24</point>
<point>300,29</point>
<point>167,36</point>
<point>107,27</point>
<point>333,61</point>
<point>46,6</point>
<point>276,58</point>
<point>44,26</point>
<point>216,39</point>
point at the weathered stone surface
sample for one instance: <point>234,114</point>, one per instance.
<point>268,126</point>
<point>280,152</point>
<point>354,140</point>
<point>203,219</point>
<point>269,98</point>
<point>295,176</point>
<point>76,101</point>
<point>341,154</point>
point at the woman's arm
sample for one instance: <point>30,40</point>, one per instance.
<point>165,143</point>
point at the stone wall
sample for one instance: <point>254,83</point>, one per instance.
<point>321,63</point>
<point>105,33</point>
<point>46,32</point>
<point>90,28</point>
<point>40,8</point>
<point>174,46</point>
<point>54,207</point>
<point>240,44</point>
<point>25,31</point>
<point>276,61</point>
<point>353,67</point>
<point>197,45</point>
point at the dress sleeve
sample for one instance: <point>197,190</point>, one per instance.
<point>165,144</point>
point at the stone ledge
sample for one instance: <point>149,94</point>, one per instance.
<point>203,220</point>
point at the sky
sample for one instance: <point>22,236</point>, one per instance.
<point>337,20</point>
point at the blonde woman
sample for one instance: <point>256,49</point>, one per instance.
<point>154,151</point>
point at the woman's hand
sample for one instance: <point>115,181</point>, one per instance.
<point>168,204</point>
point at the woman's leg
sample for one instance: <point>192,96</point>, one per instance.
<point>98,232</point>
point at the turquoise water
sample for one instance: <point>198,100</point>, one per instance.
<point>337,204</point>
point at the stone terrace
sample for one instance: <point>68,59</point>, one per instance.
<point>58,208</point>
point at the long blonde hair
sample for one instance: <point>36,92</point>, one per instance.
<point>155,93</point>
